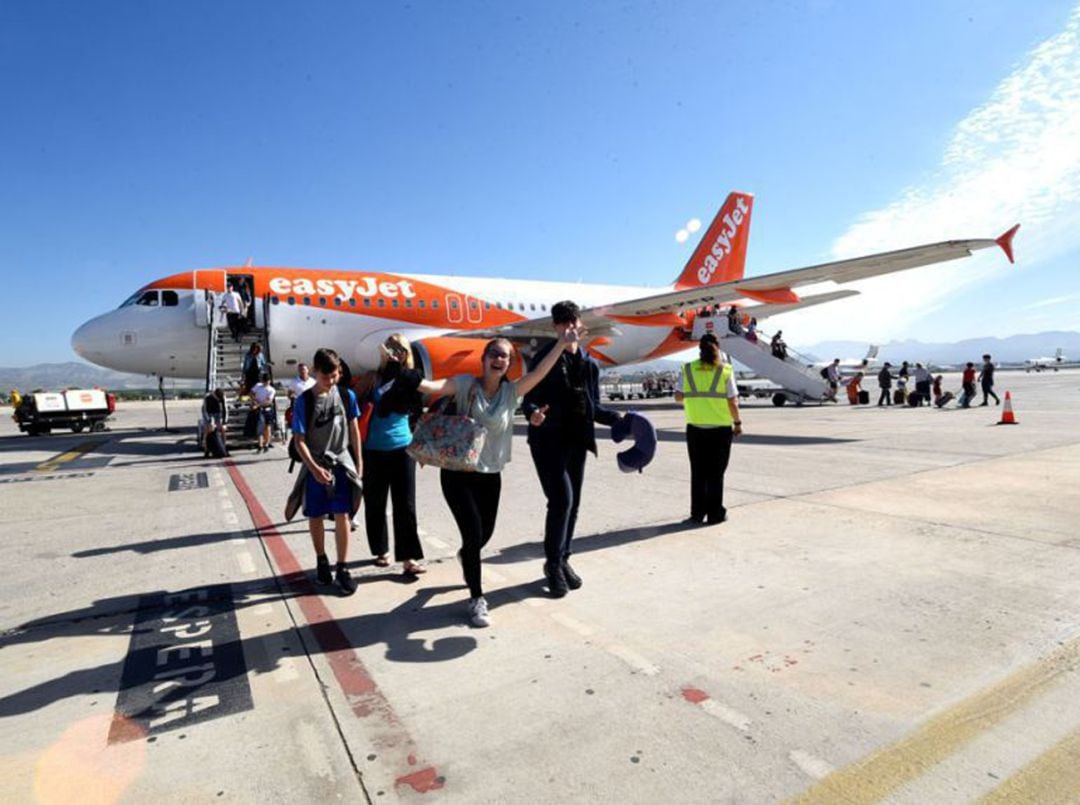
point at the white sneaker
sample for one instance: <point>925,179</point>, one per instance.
<point>478,612</point>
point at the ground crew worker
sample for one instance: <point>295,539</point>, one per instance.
<point>711,402</point>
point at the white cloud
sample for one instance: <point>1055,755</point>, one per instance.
<point>1053,300</point>
<point>1015,158</point>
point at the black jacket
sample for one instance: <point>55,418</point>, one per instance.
<point>555,391</point>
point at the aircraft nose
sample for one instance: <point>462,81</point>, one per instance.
<point>89,341</point>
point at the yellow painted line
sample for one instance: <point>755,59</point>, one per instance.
<point>879,774</point>
<point>55,462</point>
<point>1053,777</point>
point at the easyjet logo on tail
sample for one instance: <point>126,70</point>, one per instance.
<point>721,254</point>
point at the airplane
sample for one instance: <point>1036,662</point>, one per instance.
<point>164,328</point>
<point>1059,361</point>
<point>849,366</point>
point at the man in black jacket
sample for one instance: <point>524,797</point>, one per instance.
<point>561,411</point>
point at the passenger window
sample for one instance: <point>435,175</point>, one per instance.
<point>532,306</point>
<point>337,301</point>
<point>169,299</point>
<point>322,301</point>
<point>382,302</point>
<point>393,303</point>
<point>367,302</point>
<point>292,300</point>
<point>408,303</point>
<point>274,300</point>
<point>421,303</point>
<point>307,300</point>
<point>434,303</point>
<point>352,302</point>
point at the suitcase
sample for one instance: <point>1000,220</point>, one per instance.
<point>215,445</point>
<point>864,397</point>
<point>252,423</point>
<point>944,399</point>
<point>898,397</point>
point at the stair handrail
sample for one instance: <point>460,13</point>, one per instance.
<point>211,343</point>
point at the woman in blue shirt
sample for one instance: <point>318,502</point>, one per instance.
<point>388,469</point>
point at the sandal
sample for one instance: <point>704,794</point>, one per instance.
<point>413,569</point>
<point>381,561</point>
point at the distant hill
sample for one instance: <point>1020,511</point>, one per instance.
<point>73,374</point>
<point>1014,349</point>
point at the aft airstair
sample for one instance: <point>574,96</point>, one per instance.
<point>797,380</point>
<point>225,368</point>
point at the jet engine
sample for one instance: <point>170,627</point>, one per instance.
<point>446,356</point>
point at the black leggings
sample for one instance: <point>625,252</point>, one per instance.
<point>561,469</point>
<point>473,498</point>
<point>392,471</point>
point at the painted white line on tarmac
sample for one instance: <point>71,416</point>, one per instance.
<point>263,609</point>
<point>810,764</point>
<point>231,518</point>
<point>632,658</point>
<point>246,562</point>
<point>726,714</point>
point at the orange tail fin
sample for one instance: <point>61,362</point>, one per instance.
<point>721,254</point>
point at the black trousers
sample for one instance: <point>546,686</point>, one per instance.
<point>561,469</point>
<point>988,392</point>
<point>473,498</point>
<point>392,471</point>
<point>236,324</point>
<point>885,398</point>
<point>710,450</point>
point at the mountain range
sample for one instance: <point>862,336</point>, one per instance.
<point>1014,349</point>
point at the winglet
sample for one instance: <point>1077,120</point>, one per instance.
<point>1005,242</point>
<point>721,254</point>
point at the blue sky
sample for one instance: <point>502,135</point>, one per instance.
<point>554,140</point>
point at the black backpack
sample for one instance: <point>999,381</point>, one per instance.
<point>825,373</point>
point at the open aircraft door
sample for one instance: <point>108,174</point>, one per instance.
<point>208,284</point>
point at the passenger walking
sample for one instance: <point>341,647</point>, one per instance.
<point>710,399</point>
<point>986,380</point>
<point>778,347</point>
<point>232,305</point>
<point>751,331</point>
<point>328,441</point>
<point>884,380</point>
<point>215,415</point>
<point>301,383</point>
<point>967,384</point>
<point>734,320</point>
<point>832,375</point>
<point>253,367</point>
<point>262,402</point>
<point>854,386</point>
<point>388,468</point>
<point>473,497</point>
<point>922,384</point>
<point>561,411</point>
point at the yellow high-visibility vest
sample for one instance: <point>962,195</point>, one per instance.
<point>704,391</point>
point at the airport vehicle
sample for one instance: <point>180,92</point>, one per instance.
<point>172,327</point>
<point>1059,361</point>
<point>77,409</point>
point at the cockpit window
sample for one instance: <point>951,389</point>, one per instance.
<point>169,299</point>
<point>148,298</point>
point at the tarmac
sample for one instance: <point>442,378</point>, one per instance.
<point>891,613</point>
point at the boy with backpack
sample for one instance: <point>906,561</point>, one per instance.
<point>326,440</point>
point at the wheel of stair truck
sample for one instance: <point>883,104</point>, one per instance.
<point>77,427</point>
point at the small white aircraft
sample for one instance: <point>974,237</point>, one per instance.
<point>164,328</point>
<point>849,366</point>
<point>1059,361</point>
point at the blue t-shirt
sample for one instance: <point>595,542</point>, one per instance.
<point>352,410</point>
<point>390,432</point>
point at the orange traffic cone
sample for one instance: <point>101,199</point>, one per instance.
<point>1007,417</point>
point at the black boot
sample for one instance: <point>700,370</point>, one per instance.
<point>556,580</point>
<point>573,580</point>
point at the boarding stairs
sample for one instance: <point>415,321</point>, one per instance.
<point>797,380</point>
<point>225,370</point>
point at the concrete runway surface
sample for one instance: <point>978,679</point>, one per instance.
<point>891,613</point>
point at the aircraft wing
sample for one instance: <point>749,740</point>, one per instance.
<point>774,291</point>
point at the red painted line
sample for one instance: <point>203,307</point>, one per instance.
<point>360,689</point>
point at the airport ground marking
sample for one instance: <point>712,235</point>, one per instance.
<point>1052,777</point>
<point>54,463</point>
<point>365,698</point>
<point>883,772</point>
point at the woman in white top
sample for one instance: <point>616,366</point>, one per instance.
<point>473,497</point>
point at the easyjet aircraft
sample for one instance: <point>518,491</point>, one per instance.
<point>162,329</point>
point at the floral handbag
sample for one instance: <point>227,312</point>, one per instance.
<point>448,439</point>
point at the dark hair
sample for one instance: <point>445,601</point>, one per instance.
<point>986,357</point>
<point>709,349</point>
<point>264,376</point>
<point>565,312</point>
<point>326,361</point>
